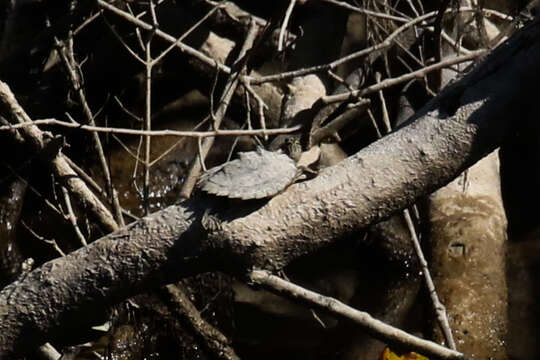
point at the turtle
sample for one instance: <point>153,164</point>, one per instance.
<point>255,174</point>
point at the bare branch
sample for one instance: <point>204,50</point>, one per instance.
<point>469,119</point>
<point>401,79</point>
<point>61,169</point>
<point>374,327</point>
<point>51,242</point>
<point>72,218</point>
<point>72,68</point>
<point>211,337</point>
<point>183,47</point>
<point>167,132</point>
<point>284,24</point>
<point>388,41</point>
<point>228,92</point>
<point>438,307</point>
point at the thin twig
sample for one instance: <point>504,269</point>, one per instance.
<point>439,308</point>
<point>261,105</point>
<point>376,14</point>
<point>137,30</point>
<point>128,48</point>
<point>166,132</point>
<point>374,123</point>
<point>334,64</point>
<point>212,339</point>
<point>94,185</point>
<point>404,48</point>
<point>70,65</point>
<point>72,218</point>
<point>248,109</point>
<point>184,35</point>
<point>127,111</point>
<point>183,47</point>
<point>374,327</point>
<point>401,79</point>
<point>85,23</point>
<point>149,64</point>
<point>68,59</point>
<point>282,76</point>
<point>118,211</point>
<point>178,142</point>
<point>229,89</point>
<point>331,129</point>
<point>364,52</point>
<point>385,116</point>
<point>284,24</point>
<point>413,8</point>
<point>134,156</point>
<point>199,154</point>
<point>51,242</point>
<point>36,140</point>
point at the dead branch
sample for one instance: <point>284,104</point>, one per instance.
<point>224,101</point>
<point>211,337</point>
<point>335,307</point>
<point>420,73</point>
<point>65,51</point>
<point>438,306</point>
<point>38,142</point>
<point>183,47</point>
<point>388,41</point>
<point>465,122</point>
<point>166,132</point>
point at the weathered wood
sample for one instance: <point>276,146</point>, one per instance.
<point>468,120</point>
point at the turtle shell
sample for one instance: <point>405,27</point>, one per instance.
<point>254,175</point>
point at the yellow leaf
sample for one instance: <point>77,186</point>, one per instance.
<point>388,354</point>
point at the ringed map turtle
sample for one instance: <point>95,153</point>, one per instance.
<point>254,175</point>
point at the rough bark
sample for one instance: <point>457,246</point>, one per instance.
<point>467,121</point>
<point>468,255</point>
<point>49,149</point>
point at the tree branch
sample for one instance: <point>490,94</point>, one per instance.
<point>468,120</point>
<point>377,328</point>
<point>41,143</point>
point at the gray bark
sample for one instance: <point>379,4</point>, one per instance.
<point>467,121</point>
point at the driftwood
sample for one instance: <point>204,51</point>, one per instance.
<point>468,120</point>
